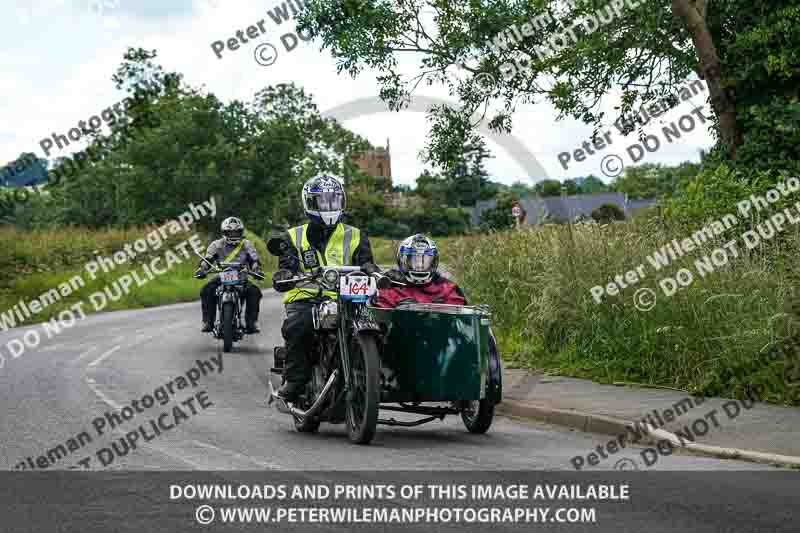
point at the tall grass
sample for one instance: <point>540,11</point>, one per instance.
<point>41,260</point>
<point>721,335</point>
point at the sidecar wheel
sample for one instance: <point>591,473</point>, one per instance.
<point>478,415</point>
<point>362,402</point>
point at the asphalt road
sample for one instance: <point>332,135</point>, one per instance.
<point>60,389</point>
<point>54,392</point>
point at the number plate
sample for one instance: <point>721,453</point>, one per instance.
<point>229,276</point>
<point>357,286</point>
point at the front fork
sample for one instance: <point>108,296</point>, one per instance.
<point>354,318</point>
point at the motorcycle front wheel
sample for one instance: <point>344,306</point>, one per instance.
<point>363,396</point>
<point>227,326</point>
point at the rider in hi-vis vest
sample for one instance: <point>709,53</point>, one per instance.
<point>338,252</point>
<point>232,247</point>
<point>323,241</point>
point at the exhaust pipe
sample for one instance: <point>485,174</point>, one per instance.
<point>283,407</point>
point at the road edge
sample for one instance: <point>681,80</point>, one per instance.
<point>594,423</point>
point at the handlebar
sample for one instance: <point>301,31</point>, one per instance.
<point>383,282</point>
<point>222,266</point>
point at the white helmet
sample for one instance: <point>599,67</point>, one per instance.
<point>232,230</point>
<point>324,199</point>
<point>418,259</point>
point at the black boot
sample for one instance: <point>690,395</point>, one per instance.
<point>252,329</point>
<point>207,327</point>
<point>291,390</point>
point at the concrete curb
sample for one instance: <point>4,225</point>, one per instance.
<point>593,423</point>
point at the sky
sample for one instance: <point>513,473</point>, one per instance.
<point>57,58</point>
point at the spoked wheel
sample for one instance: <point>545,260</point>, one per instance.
<point>362,399</point>
<point>478,415</point>
<point>227,327</point>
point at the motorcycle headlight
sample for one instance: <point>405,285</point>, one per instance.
<point>331,278</point>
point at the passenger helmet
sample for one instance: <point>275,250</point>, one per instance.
<point>418,259</point>
<point>324,199</point>
<point>232,230</point>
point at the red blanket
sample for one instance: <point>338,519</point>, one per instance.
<point>440,291</point>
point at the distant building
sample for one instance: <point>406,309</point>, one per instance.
<point>378,164</point>
<point>568,208</point>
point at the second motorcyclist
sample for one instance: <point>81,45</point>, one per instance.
<point>231,248</point>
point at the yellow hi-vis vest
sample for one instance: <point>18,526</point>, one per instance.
<point>338,252</point>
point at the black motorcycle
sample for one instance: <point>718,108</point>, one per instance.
<point>229,326</point>
<point>345,380</point>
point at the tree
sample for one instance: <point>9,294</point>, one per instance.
<point>548,188</point>
<point>608,213</point>
<point>651,180</point>
<point>466,176</point>
<point>432,188</point>
<point>182,145</point>
<point>499,218</point>
<point>471,48</point>
<point>521,189</point>
<point>570,187</point>
<point>591,184</point>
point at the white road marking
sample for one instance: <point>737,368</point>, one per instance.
<point>84,354</point>
<point>93,385</point>
<point>105,356</point>
<point>237,455</point>
<point>53,347</point>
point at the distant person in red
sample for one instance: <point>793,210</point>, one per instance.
<point>417,264</point>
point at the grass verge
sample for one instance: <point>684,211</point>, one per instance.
<point>730,333</point>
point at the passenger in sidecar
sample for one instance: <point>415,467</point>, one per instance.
<point>417,279</point>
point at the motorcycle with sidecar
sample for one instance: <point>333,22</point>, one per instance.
<point>431,360</point>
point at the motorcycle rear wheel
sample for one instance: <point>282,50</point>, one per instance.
<point>362,399</point>
<point>227,326</point>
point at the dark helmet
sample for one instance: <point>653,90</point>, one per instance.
<point>418,259</point>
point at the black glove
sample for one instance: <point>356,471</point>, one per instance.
<point>282,275</point>
<point>396,276</point>
<point>200,273</point>
<point>370,268</point>
<point>256,270</point>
